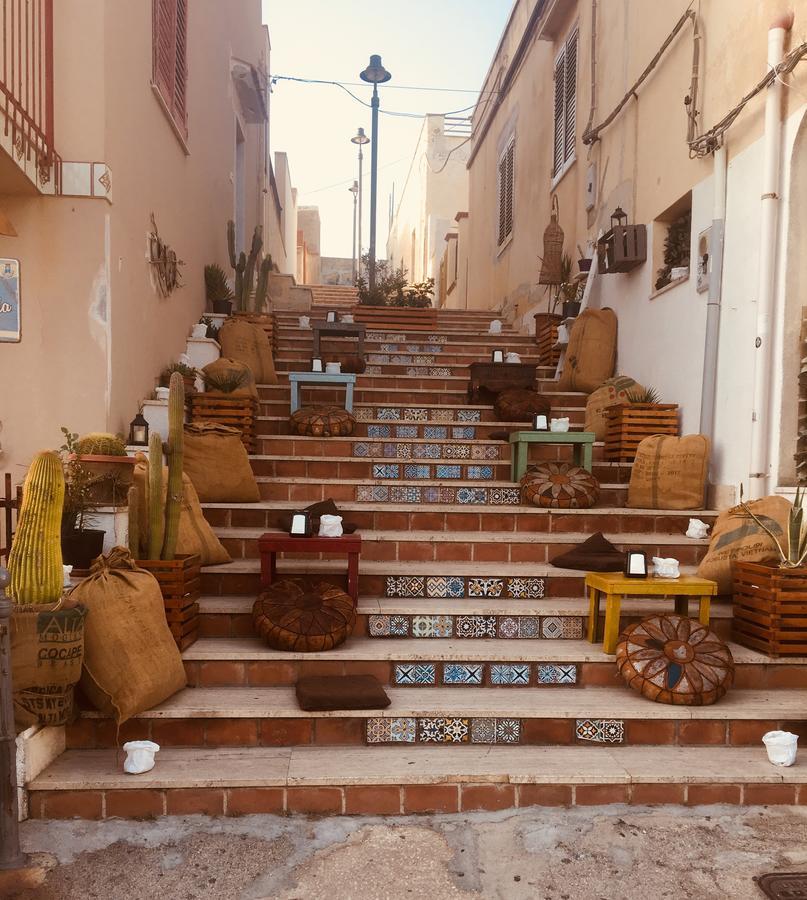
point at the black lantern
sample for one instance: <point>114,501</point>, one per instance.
<point>497,356</point>
<point>139,431</point>
<point>635,564</point>
<point>619,218</point>
<point>300,523</point>
<point>539,423</point>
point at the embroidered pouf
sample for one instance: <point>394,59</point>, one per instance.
<point>322,421</point>
<point>520,405</point>
<point>674,659</point>
<point>304,618</point>
<point>555,485</point>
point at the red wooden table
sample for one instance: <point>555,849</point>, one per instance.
<point>274,542</point>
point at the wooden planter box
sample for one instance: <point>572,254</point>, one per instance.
<point>236,412</point>
<point>770,609</point>
<point>628,424</point>
<point>622,249</point>
<point>546,333</point>
<point>180,582</point>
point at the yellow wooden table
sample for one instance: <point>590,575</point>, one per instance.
<point>615,585</point>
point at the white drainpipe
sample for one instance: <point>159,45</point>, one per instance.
<point>759,472</point>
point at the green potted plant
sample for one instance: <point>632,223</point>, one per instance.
<point>628,424</point>
<point>110,469</point>
<point>81,541</point>
<point>187,372</point>
<point>568,289</point>
<point>217,290</point>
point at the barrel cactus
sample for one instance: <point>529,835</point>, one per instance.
<point>100,444</point>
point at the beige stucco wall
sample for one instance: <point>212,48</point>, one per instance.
<point>309,232</point>
<point>95,332</point>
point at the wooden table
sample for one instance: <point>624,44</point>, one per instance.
<point>273,542</point>
<point>582,443</point>
<point>298,378</point>
<point>339,329</point>
<point>616,585</point>
<point>496,377</point>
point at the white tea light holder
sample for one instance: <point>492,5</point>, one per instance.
<point>305,322</point>
<point>300,523</point>
<point>697,529</point>
<point>161,393</point>
<point>139,756</point>
<point>316,364</point>
<point>781,746</point>
<point>330,316</point>
<point>497,356</point>
<point>539,423</point>
<point>495,327</point>
<point>199,331</point>
<point>559,425</point>
<point>333,368</point>
<point>666,567</point>
<point>347,318</point>
<point>512,358</point>
<point>635,564</point>
<point>330,526</point>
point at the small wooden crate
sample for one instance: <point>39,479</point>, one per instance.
<point>236,412</point>
<point>548,353</point>
<point>770,609</point>
<point>180,582</point>
<point>628,424</point>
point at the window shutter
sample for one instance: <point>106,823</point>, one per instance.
<point>559,118</point>
<point>505,187</point>
<point>502,184</point>
<point>169,56</point>
<point>509,192</point>
<point>181,62</point>
<point>570,90</point>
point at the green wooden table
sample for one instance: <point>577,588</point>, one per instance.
<point>581,442</point>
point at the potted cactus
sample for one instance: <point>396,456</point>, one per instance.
<point>81,542</point>
<point>250,297</point>
<point>109,470</point>
<point>217,290</point>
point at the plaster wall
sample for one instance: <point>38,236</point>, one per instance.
<point>309,230</point>
<point>288,219</point>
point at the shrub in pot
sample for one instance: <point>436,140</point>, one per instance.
<point>217,290</point>
<point>110,469</point>
<point>81,543</point>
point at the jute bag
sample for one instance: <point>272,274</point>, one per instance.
<point>131,662</point>
<point>669,473</point>
<point>223,367</point>
<point>737,536</point>
<point>614,391</point>
<point>215,460</point>
<point>248,344</point>
<point>591,354</point>
<point>47,649</point>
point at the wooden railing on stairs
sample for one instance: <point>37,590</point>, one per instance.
<point>9,504</point>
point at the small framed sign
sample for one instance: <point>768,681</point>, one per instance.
<point>330,316</point>
<point>316,364</point>
<point>635,564</point>
<point>539,423</point>
<point>300,523</point>
<point>10,300</point>
<point>497,356</point>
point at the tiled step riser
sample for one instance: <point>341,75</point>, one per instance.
<point>391,363</point>
<point>372,412</point>
<point>381,450</point>
<point>439,385</point>
<point>448,338</point>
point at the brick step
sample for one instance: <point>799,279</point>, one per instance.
<point>472,342</point>
<point>441,332</point>
<point>296,360</point>
<point>538,716</point>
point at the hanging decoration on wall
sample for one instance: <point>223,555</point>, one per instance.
<point>164,262</point>
<point>553,248</point>
<point>9,300</point>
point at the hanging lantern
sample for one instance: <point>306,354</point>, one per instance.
<point>619,218</point>
<point>553,248</point>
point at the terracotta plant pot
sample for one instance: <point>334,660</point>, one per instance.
<point>112,476</point>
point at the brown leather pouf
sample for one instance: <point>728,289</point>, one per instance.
<point>304,618</point>
<point>554,485</point>
<point>520,405</point>
<point>676,660</point>
<point>322,421</point>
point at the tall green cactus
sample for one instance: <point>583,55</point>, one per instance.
<point>262,289</point>
<point>35,562</point>
<point>133,506</point>
<point>156,503</point>
<point>231,242</point>
<point>173,499</point>
<point>245,265</point>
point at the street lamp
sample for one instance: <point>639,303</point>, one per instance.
<point>361,139</point>
<point>374,74</point>
<point>354,189</point>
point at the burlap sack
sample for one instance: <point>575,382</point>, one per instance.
<point>591,354</point>
<point>737,536</point>
<point>669,473</point>
<point>248,344</point>
<point>47,649</point>
<point>614,391</point>
<point>217,463</point>
<point>131,662</point>
<point>223,367</point>
<point>196,537</point>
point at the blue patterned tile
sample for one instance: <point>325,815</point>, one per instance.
<point>529,627</point>
<point>551,673</point>
<point>529,588</point>
<point>406,431</point>
<point>378,358</point>
<point>441,494</point>
<point>427,451</point>
<point>388,412</point>
<point>471,496</point>
<point>443,471</point>
<point>378,431</point>
<point>390,451</point>
<point>463,432</point>
<point>417,371</point>
<point>510,673</point>
<point>432,348</point>
<point>445,586</point>
<point>405,494</point>
<point>552,627</point>
<point>463,673</point>
<point>399,626</point>
<point>413,470</point>
<point>391,731</point>
<point>415,673</point>
<point>371,493</point>
<point>405,586</point>
<point>432,626</point>
<point>361,449</point>
<point>483,731</point>
<point>386,470</point>
<point>457,451</point>
<point>475,626</point>
<point>435,432</point>
<point>508,627</point>
<point>480,472</point>
<point>469,415</point>
<point>388,348</point>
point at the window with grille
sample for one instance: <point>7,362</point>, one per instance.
<point>169,57</point>
<point>505,190</point>
<point>565,102</point>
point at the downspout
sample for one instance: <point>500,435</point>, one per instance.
<point>759,472</point>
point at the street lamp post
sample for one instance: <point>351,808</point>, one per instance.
<point>361,139</point>
<point>354,189</point>
<point>374,74</point>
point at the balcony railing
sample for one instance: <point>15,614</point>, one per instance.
<point>26,87</point>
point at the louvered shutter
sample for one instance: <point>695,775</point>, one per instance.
<point>559,118</point>
<point>505,182</point>
<point>180,62</point>
<point>169,56</point>
<point>508,218</point>
<point>502,185</point>
<point>570,92</point>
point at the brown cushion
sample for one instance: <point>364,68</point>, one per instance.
<point>499,435</point>
<point>318,692</point>
<point>352,363</point>
<point>304,618</point>
<point>322,421</point>
<point>555,485</point>
<point>520,405</point>
<point>316,511</point>
<point>597,554</point>
<point>676,660</point>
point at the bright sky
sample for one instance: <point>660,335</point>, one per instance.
<point>425,43</point>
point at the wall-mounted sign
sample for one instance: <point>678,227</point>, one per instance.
<point>9,300</point>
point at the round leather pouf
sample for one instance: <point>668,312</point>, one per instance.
<point>520,405</point>
<point>554,485</point>
<point>322,421</point>
<point>304,618</point>
<point>674,659</point>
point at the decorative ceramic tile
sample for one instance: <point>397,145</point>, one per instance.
<point>406,431</point>
<point>505,496</point>
<point>415,414</point>
<point>485,587</point>
<point>528,627</point>
<point>483,731</point>
<point>469,415</point>
<point>378,626</point>
<point>405,586</point>
<point>463,673</point>
<point>403,451</point>
<point>435,432</point>
<point>399,360</point>
<point>386,470</point>
<point>442,415</point>
<point>525,588</point>
<point>362,448</point>
<point>363,413</point>
<point>423,360</point>
<point>480,472</point>
<point>431,731</point>
<point>510,673</point>
<point>439,372</point>
<point>601,731</point>
<point>445,586</point>
<point>373,370</point>
<point>457,451</point>
<point>440,494</point>
<point>437,338</point>
<point>484,451</point>
<point>386,731</point>
<point>413,348</point>
<point>508,627</point>
<point>573,628</point>
<point>415,673</point>
<point>389,451</point>
<point>378,358</point>
<point>399,626</point>
<point>377,431</point>
<point>401,494</point>
<point>432,626</point>
<point>413,470</point>
<point>472,495</point>
<point>549,673</point>
<point>388,412</point>
<point>475,626</point>
<point>432,348</point>
<point>427,451</point>
<point>388,348</point>
<point>552,627</point>
<point>463,432</point>
<point>367,493</point>
<point>508,731</point>
<point>456,731</point>
<point>417,371</point>
<point>443,471</point>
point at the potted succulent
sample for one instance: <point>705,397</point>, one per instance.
<point>568,290</point>
<point>187,372</point>
<point>628,424</point>
<point>217,289</point>
<point>81,542</point>
<point>109,468</point>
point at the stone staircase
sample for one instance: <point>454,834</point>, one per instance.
<point>497,699</point>
<point>332,296</point>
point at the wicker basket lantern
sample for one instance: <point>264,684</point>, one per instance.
<point>553,248</point>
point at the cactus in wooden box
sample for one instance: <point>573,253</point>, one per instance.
<point>133,506</point>
<point>35,562</point>
<point>173,499</point>
<point>155,501</point>
<point>244,265</point>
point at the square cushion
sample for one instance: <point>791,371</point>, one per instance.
<point>597,554</point>
<point>316,511</point>
<point>318,693</point>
